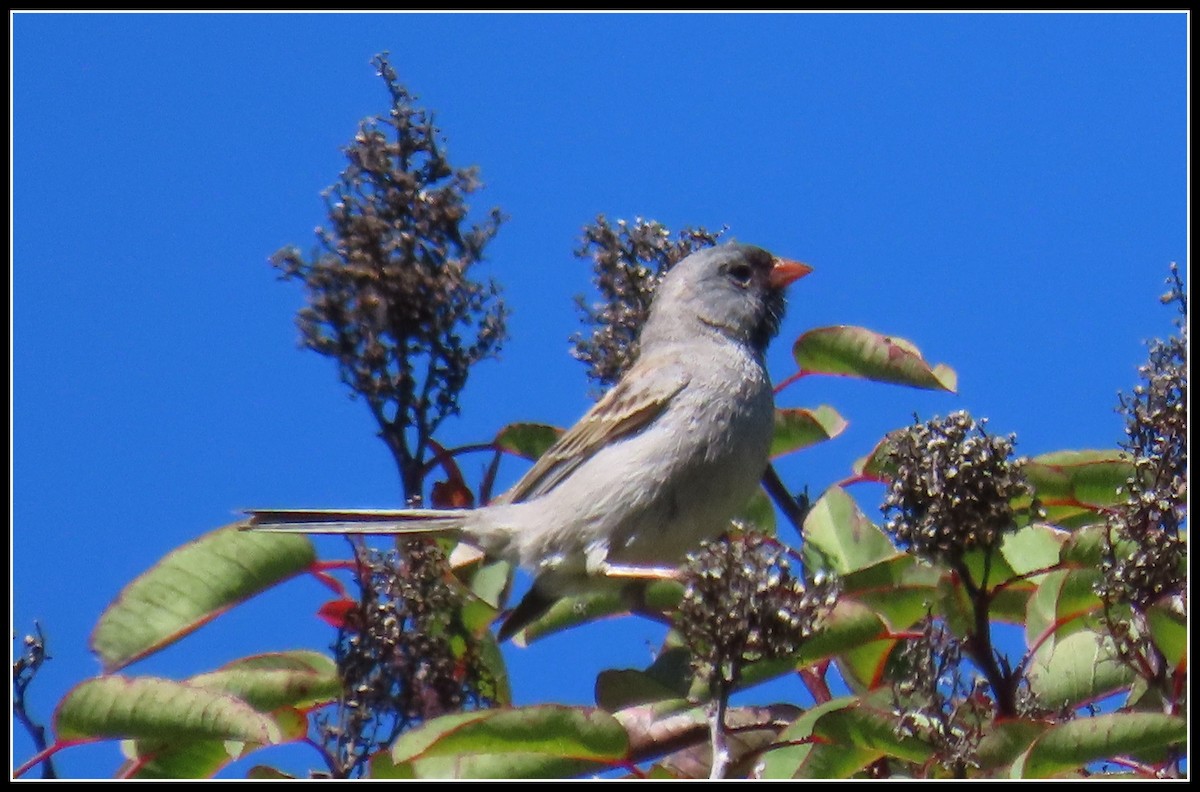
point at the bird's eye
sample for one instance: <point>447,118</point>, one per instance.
<point>740,273</point>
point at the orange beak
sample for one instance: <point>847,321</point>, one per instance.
<point>786,271</point>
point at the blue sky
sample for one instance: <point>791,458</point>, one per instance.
<point>1006,191</point>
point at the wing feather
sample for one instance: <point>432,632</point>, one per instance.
<point>632,405</point>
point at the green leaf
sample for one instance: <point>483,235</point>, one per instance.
<point>1059,603</point>
<point>1079,480</point>
<point>529,440</point>
<point>903,604</point>
<point>851,625</point>
<point>1168,629</point>
<point>283,679</point>
<point>796,741</point>
<point>190,759</point>
<point>800,428</point>
<point>1078,669</point>
<point>530,742</point>
<point>492,659</point>
<point>852,737</point>
<point>618,688</point>
<point>862,666</point>
<point>1077,743</point>
<point>1033,547</point>
<point>839,537</point>
<point>878,465</point>
<point>1084,548</point>
<point>489,582</point>
<point>858,352</point>
<point>668,677</point>
<point>1030,549</point>
<point>759,512</point>
<point>978,561</point>
<point>856,637</point>
<point>1004,740</point>
<point>868,727</point>
<point>191,586</point>
<point>159,709</point>
<point>607,601</point>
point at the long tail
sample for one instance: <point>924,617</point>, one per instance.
<point>357,521</point>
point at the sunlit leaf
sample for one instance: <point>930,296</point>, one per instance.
<point>1032,548</point>
<point>852,737</point>
<point>152,759</point>
<point>858,352</point>
<point>270,681</point>
<point>1005,740</point>
<point>160,709</point>
<point>839,537</point>
<point>529,440</point>
<point>903,605</point>
<point>878,465</point>
<point>1061,599</point>
<point>1078,669</point>
<point>849,626</point>
<point>800,428</point>
<point>796,741</point>
<point>1078,480</point>
<point>608,601</point>
<point>1077,743</point>
<point>191,758</point>
<point>1168,629</point>
<point>529,742</point>
<point>862,666</point>
<point>1084,548</point>
<point>192,585</point>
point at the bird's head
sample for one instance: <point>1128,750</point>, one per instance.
<point>737,290</point>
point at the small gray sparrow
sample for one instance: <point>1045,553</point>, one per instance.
<point>659,464</point>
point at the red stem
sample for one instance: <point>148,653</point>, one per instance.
<point>793,378</point>
<point>43,755</point>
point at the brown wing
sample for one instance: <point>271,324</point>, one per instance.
<point>632,404</point>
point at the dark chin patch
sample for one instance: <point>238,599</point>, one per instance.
<point>767,328</point>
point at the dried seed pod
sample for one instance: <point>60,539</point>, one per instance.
<point>953,487</point>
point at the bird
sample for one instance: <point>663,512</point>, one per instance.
<point>660,463</point>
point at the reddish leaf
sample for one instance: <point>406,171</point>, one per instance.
<point>451,495</point>
<point>858,352</point>
<point>337,612</point>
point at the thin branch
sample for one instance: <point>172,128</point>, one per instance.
<point>814,680</point>
<point>1055,567</point>
<point>470,448</point>
<point>791,508</point>
<point>721,758</point>
<point>489,478</point>
<point>25,668</point>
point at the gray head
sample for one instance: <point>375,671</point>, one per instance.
<point>737,290</point>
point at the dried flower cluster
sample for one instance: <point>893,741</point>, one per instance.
<point>937,701</point>
<point>628,261</point>
<point>401,656</point>
<point>953,487</point>
<point>1146,556</point>
<point>390,292</point>
<point>743,603</point>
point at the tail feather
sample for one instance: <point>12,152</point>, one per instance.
<point>357,521</point>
